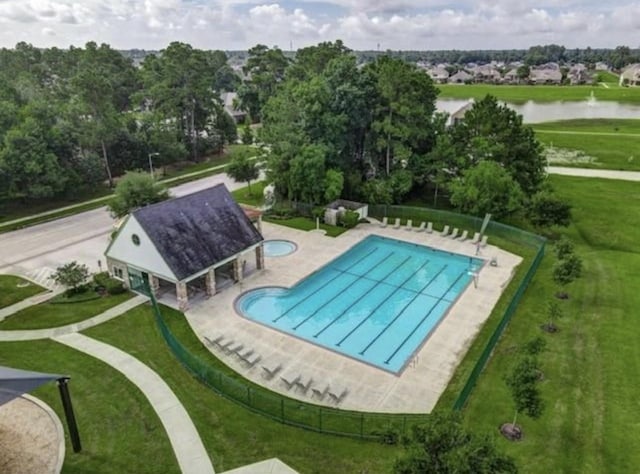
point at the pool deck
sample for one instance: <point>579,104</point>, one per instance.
<point>414,390</point>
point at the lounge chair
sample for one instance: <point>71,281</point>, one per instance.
<point>445,231</point>
<point>476,238</point>
<point>409,225</point>
<point>429,228</point>
<point>421,228</point>
<point>304,386</point>
<point>245,355</point>
<point>271,370</point>
<point>252,359</point>
<point>397,223</point>
<point>454,234</point>
<point>320,393</point>
<point>226,346</point>
<point>483,242</point>
<point>385,222</point>
<point>214,342</point>
<point>289,380</point>
<point>234,348</point>
<point>338,398</point>
<point>464,236</point>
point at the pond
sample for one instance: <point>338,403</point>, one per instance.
<point>537,112</point>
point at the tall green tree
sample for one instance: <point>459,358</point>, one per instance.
<point>486,188</point>
<point>136,190</point>
<point>492,131</point>
<point>242,168</point>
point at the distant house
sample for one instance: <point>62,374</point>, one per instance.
<point>578,74</point>
<point>458,115</point>
<point>229,102</point>
<point>600,66</point>
<point>460,77</point>
<point>630,76</point>
<point>486,73</point>
<point>439,74</point>
<point>187,246</point>
<point>545,75</point>
<point>511,76</point>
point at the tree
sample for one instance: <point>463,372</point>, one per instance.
<point>71,275</point>
<point>135,190</point>
<point>486,188</point>
<point>443,446</point>
<point>306,180</point>
<point>244,169</point>
<point>566,270</point>
<point>523,72</point>
<point>334,183</point>
<point>563,248</point>
<point>546,210</point>
<point>554,312</point>
<point>492,131</point>
<point>522,382</point>
<point>247,134</point>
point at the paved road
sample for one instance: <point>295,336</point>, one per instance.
<point>81,237</point>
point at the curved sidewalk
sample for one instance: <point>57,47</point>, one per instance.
<point>185,440</point>
<point>33,334</point>
<point>593,173</point>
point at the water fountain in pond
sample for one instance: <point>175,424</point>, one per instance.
<point>591,100</point>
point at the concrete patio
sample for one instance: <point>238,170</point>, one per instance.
<point>415,390</point>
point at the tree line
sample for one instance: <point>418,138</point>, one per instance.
<point>72,119</point>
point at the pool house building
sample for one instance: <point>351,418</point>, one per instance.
<point>187,247</point>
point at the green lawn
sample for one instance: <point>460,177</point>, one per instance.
<point>119,430</point>
<point>591,365</point>
<point>14,289</point>
<point>51,314</point>
<point>233,435</point>
<point>521,94</point>
<point>255,198</point>
<point>611,144</point>
<point>306,223</point>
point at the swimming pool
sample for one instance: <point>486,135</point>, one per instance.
<point>278,248</point>
<point>377,302</point>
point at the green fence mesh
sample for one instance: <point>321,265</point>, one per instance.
<point>342,422</point>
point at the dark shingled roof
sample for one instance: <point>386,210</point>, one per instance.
<point>197,231</point>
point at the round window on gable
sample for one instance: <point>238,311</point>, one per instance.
<point>135,239</point>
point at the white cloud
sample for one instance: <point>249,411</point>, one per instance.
<point>395,24</point>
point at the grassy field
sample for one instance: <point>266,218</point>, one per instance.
<point>590,366</point>
<point>233,435</point>
<point>521,94</point>
<point>51,314</point>
<point>255,198</point>
<point>119,430</point>
<point>14,289</point>
<point>613,144</point>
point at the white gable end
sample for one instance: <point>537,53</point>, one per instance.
<point>143,256</point>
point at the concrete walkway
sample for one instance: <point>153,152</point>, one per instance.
<point>25,303</point>
<point>187,445</point>
<point>33,334</point>
<point>594,173</point>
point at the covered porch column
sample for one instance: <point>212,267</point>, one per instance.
<point>238,270</point>
<point>154,284</point>
<point>183,297</point>
<point>259,257</point>
<point>210,282</point>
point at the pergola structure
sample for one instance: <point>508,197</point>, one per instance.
<point>193,243</point>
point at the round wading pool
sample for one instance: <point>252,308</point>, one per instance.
<point>278,248</point>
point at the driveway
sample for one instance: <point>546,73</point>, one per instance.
<point>81,237</point>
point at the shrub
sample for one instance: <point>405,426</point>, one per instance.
<point>115,287</point>
<point>349,219</point>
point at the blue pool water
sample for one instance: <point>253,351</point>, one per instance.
<point>278,248</point>
<point>377,302</point>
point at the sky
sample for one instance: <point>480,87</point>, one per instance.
<point>360,24</point>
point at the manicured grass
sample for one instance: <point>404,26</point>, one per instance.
<point>234,435</point>
<point>611,79</point>
<point>305,223</point>
<point>590,366</point>
<point>119,430</point>
<point>12,290</point>
<point>614,144</point>
<point>50,314</point>
<point>521,94</point>
<point>255,198</point>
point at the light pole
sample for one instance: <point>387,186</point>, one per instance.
<point>151,162</point>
